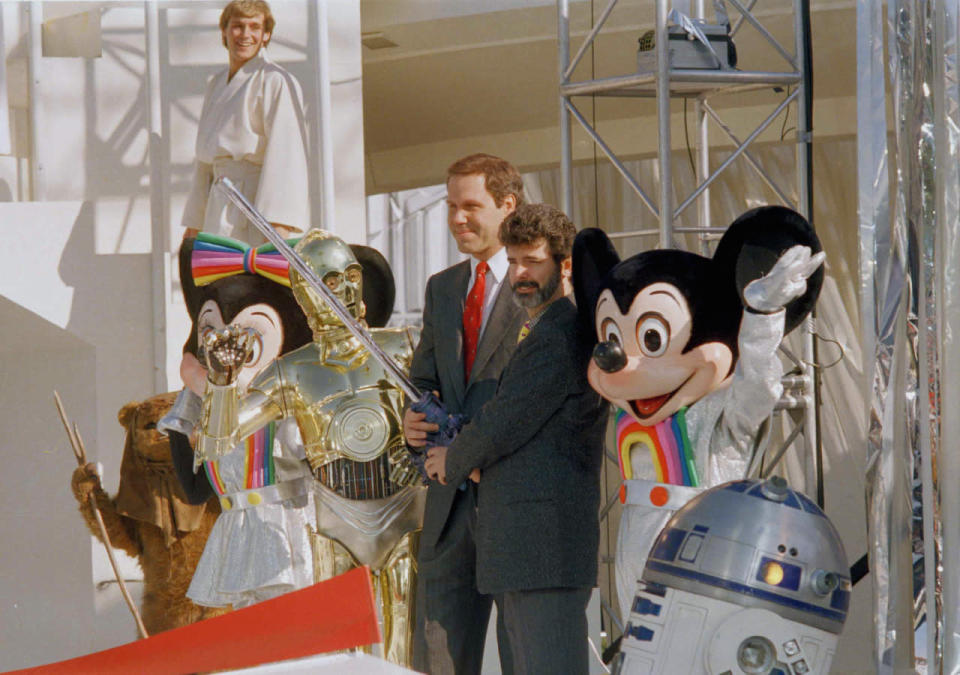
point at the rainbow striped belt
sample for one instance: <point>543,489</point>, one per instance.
<point>278,492</point>
<point>656,495</point>
<point>258,466</point>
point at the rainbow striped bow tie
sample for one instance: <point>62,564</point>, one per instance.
<point>215,257</point>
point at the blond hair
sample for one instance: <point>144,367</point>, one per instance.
<point>248,8</point>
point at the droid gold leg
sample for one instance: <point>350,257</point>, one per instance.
<point>398,583</point>
<point>330,557</point>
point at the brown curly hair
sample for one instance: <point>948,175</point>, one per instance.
<point>501,178</point>
<point>530,223</point>
<point>247,8</point>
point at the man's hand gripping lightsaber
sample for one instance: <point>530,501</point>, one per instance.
<point>448,425</point>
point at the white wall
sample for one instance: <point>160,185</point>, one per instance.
<point>76,283</point>
<point>45,558</point>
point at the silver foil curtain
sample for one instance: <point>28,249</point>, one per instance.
<point>884,303</point>
<point>910,299</point>
<point>943,528</point>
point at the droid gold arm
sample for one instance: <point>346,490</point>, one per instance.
<point>448,424</point>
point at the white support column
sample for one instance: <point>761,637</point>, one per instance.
<point>159,231</point>
<point>338,116</point>
<point>324,121</point>
<point>35,43</point>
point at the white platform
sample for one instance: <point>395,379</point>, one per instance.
<point>355,664</point>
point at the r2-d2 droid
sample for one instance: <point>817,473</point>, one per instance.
<point>748,577</point>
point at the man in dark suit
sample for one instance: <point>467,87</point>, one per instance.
<point>538,446</point>
<point>469,332</point>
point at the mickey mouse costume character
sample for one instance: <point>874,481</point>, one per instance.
<point>687,350</point>
<point>259,546</point>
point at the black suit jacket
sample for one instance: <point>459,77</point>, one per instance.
<point>438,364</point>
<point>539,444</point>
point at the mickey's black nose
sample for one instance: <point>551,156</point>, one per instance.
<point>609,356</point>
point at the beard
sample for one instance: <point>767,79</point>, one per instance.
<point>541,294</point>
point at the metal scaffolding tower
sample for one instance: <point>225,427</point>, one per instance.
<point>664,83</point>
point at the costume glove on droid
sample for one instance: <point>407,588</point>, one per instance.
<point>687,350</point>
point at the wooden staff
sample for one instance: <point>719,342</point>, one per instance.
<point>80,452</point>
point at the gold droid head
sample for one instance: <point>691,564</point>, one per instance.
<point>335,264</point>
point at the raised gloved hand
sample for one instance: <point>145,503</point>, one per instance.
<point>227,351</point>
<point>785,282</point>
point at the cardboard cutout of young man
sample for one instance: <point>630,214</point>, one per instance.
<point>252,129</point>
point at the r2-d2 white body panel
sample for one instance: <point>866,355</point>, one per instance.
<point>749,577</point>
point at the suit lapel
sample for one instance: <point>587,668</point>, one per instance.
<point>495,334</point>
<point>451,358</point>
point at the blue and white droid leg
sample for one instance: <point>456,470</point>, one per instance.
<point>672,631</point>
<point>750,577</point>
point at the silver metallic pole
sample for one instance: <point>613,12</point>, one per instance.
<point>703,165</point>
<point>566,150</point>
<point>663,125</point>
<point>812,450</point>
<point>297,263</point>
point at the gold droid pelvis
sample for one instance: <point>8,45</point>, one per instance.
<point>350,422</point>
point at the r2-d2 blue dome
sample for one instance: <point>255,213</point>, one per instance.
<point>748,577</point>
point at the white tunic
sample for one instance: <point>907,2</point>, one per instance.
<point>252,130</point>
<point>723,428</point>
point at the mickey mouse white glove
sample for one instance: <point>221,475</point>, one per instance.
<point>785,282</point>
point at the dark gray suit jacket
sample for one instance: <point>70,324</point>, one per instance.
<point>438,364</point>
<point>539,444</point>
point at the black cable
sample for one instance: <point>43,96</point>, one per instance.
<point>786,116</point>
<point>686,136</point>
<point>859,569</point>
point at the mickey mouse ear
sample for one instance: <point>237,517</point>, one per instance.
<point>379,288</point>
<point>190,297</point>
<point>755,241</point>
<point>593,256</point>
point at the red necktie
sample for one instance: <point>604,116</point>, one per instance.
<point>472,318</point>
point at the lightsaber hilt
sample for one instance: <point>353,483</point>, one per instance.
<point>449,424</point>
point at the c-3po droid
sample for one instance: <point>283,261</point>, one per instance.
<point>749,577</point>
<point>348,410</point>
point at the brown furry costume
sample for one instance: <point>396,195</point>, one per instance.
<point>150,518</point>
